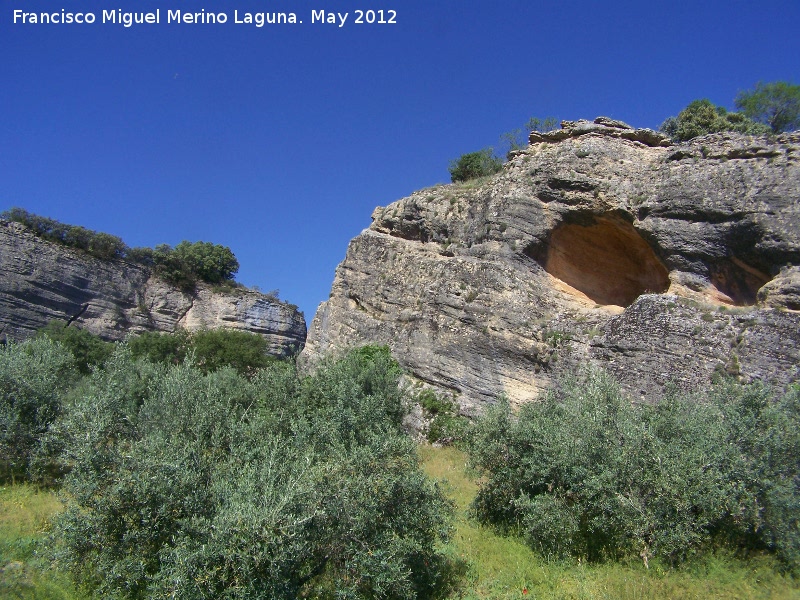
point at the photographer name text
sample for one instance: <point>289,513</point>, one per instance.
<point>204,17</point>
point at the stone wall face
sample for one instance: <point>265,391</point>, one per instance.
<point>599,244</point>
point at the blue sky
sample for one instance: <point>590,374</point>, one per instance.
<point>280,141</point>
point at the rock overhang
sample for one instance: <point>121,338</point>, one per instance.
<point>598,218</point>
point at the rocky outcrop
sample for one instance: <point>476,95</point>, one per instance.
<point>42,281</point>
<point>597,244</point>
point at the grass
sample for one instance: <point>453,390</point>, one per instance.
<point>493,566</point>
<point>25,512</point>
<point>485,564</point>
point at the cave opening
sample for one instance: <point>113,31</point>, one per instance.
<point>604,259</point>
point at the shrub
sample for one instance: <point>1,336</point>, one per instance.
<point>101,245</point>
<point>585,473</point>
<point>445,424</point>
<point>34,378</point>
<point>169,266</point>
<point>189,485</point>
<point>88,349</point>
<point>189,262</point>
<point>242,350</point>
<point>211,349</point>
<point>355,398</point>
<point>702,117</point>
<point>475,164</point>
<point>212,263</point>
<point>518,138</point>
<point>170,348</point>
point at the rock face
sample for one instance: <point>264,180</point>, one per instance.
<point>42,281</point>
<point>598,244</point>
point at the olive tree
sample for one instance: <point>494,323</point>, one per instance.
<point>584,472</point>
<point>186,484</point>
<point>34,379</point>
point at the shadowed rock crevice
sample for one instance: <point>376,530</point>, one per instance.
<point>738,281</point>
<point>606,260</point>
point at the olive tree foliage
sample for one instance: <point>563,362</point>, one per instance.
<point>34,379</point>
<point>88,350</point>
<point>186,484</point>
<point>775,104</point>
<point>586,473</point>
<point>702,117</point>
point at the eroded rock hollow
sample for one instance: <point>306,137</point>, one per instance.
<point>605,261</point>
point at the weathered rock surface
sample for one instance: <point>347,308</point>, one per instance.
<point>598,244</point>
<point>42,281</point>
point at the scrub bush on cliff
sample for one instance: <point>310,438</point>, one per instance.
<point>101,245</point>
<point>585,473</point>
<point>217,486</point>
<point>474,165</point>
<point>182,266</point>
<point>213,263</point>
<point>702,117</point>
<point>189,262</point>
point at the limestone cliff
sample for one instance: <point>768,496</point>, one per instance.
<point>598,243</point>
<point>42,281</point>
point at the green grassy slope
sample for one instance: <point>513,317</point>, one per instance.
<point>486,565</point>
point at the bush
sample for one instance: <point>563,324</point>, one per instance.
<point>775,104</point>
<point>88,349</point>
<point>189,262</point>
<point>354,399</point>
<point>189,485</point>
<point>475,164</point>
<point>34,378</point>
<point>169,348</point>
<point>518,138</point>
<point>445,425</point>
<point>702,117</point>
<point>585,473</point>
<point>211,349</point>
<point>212,263</point>
<point>217,348</point>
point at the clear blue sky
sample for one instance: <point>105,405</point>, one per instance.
<point>279,141</point>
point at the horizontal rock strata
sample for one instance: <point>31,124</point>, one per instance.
<point>41,281</point>
<point>598,244</point>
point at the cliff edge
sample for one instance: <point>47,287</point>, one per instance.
<point>597,244</point>
<point>42,281</point>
